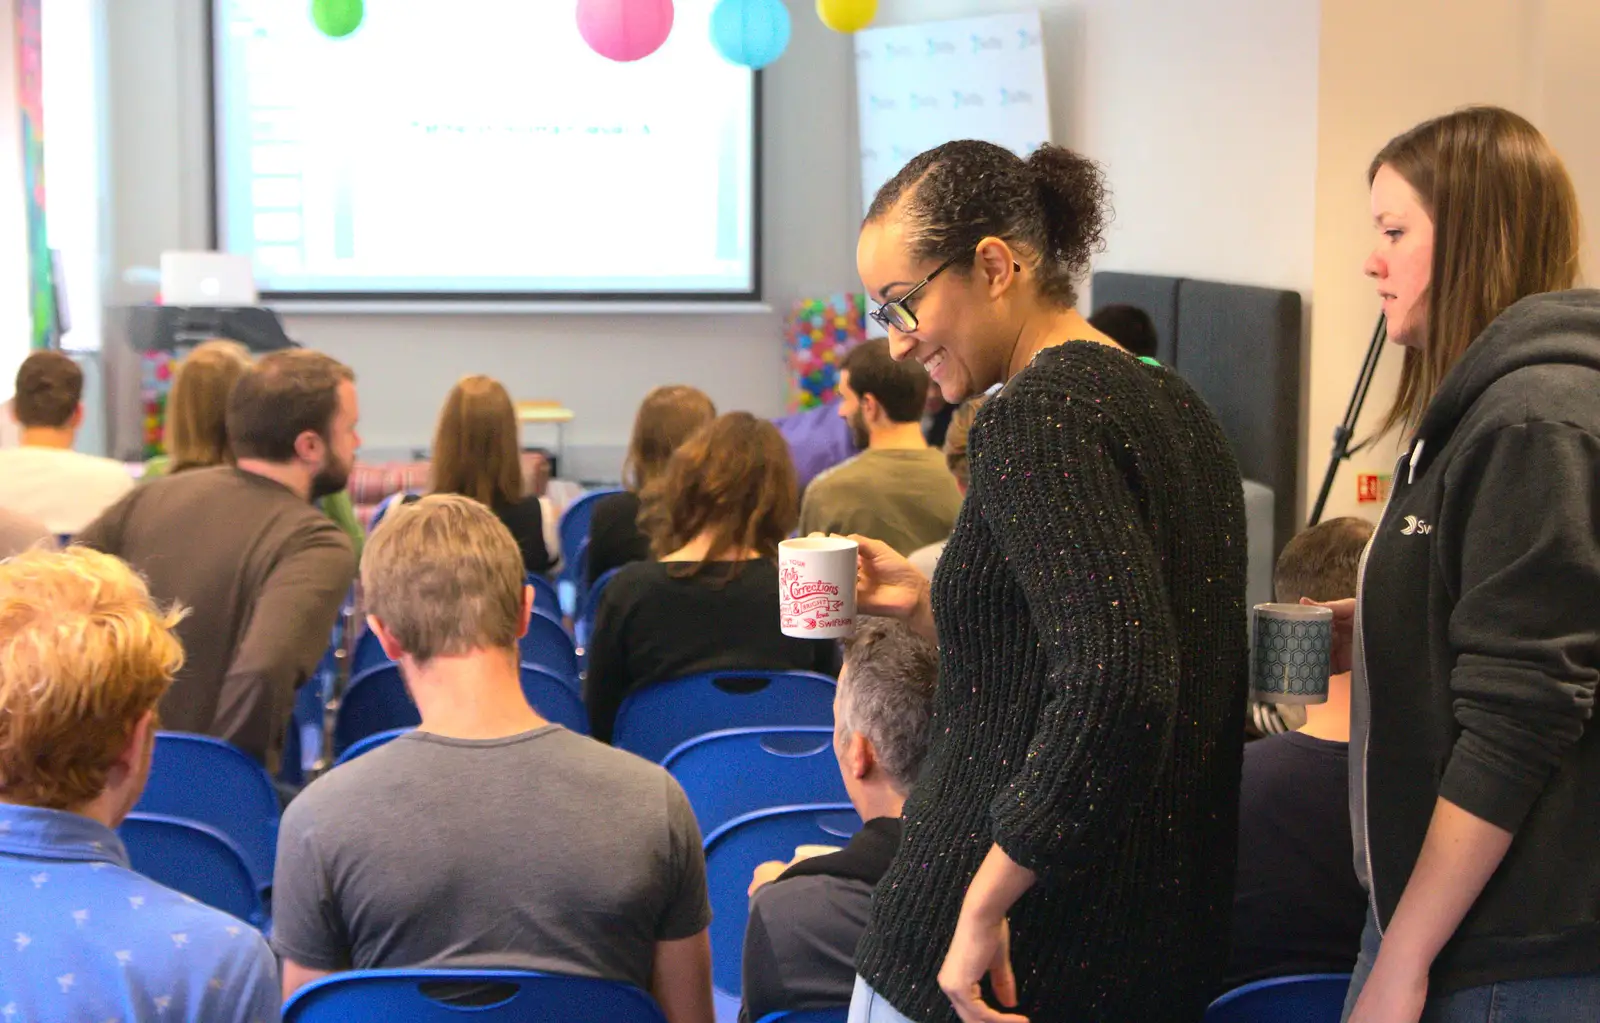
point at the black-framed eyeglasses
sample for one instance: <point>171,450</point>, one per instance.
<point>896,314</point>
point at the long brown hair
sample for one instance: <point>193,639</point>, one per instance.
<point>196,431</point>
<point>667,417</point>
<point>1506,226</point>
<point>734,479</point>
<point>475,448</point>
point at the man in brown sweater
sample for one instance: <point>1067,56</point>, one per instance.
<point>259,568</point>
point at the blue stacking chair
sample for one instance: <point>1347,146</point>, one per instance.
<point>839,1015</point>
<point>369,744</point>
<point>368,653</point>
<point>202,779</point>
<point>732,772</point>
<point>383,507</point>
<point>583,625</point>
<point>654,719</point>
<point>376,701</point>
<point>197,860</point>
<point>733,852</point>
<point>555,698</point>
<point>413,996</point>
<point>548,645</point>
<point>545,597</point>
<point>1308,998</point>
<point>574,531</point>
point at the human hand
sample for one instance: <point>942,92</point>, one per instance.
<point>1341,651</point>
<point>1392,994</point>
<point>766,873</point>
<point>886,583</point>
<point>980,947</point>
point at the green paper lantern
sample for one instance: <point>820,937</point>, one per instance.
<point>337,18</point>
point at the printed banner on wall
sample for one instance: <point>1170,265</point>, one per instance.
<point>973,78</point>
<point>30,102</point>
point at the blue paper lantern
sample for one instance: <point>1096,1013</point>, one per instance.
<point>752,33</point>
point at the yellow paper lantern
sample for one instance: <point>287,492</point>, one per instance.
<point>847,15</point>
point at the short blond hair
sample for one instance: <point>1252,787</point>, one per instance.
<point>84,653</point>
<point>445,578</point>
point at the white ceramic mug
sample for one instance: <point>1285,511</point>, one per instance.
<point>817,587</point>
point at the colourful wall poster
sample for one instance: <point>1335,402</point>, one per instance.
<point>30,101</point>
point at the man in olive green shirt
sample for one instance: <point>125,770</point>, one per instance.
<point>898,489</point>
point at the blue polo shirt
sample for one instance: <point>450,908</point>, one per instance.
<point>83,937</point>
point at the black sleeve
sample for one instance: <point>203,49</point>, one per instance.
<point>1102,737</point>
<point>828,655</point>
<point>1518,532</point>
<point>607,680</point>
<point>525,519</point>
<point>614,536</point>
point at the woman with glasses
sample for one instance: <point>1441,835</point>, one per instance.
<point>1072,838</point>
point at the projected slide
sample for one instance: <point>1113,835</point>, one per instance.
<point>480,149</point>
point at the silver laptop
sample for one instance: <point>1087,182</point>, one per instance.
<point>207,279</point>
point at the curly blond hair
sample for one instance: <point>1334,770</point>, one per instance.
<point>84,653</point>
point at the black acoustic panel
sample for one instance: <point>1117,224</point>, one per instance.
<point>1157,296</point>
<point>1239,346</point>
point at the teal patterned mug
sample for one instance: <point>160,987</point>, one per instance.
<point>1289,653</point>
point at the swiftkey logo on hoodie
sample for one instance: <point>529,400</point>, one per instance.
<point>1416,527</point>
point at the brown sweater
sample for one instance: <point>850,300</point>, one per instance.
<point>262,573</point>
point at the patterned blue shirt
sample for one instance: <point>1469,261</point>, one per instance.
<point>83,937</point>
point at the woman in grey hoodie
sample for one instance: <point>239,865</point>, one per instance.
<point>1475,765</point>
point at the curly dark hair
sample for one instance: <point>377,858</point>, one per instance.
<point>1052,206</point>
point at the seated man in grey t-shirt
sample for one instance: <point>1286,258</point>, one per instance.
<point>488,837</point>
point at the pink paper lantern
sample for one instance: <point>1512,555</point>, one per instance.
<point>624,30</point>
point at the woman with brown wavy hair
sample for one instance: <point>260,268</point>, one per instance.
<point>476,454</point>
<point>667,417</point>
<point>710,599</point>
<point>1474,640</point>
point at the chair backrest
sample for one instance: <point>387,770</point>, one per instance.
<point>545,597</point>
<point>654,719</point>
<point>548,645</point>
<point>1308,998</point>
<point>583,624</point>
<point>839,1015</point>
<point>555,698</point>
<point>369,744</point>
<point>514,996</point>
<point>197,860</point>
<point>730,773</point>
<point>199,778</point>
<point>574,530</point>
<point>735,849</point>
<point>368,653</point>
<point>376,701</point>
<point>383,508</point>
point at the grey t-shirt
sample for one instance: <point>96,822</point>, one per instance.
<point>540,851</point>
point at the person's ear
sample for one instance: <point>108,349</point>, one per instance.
<point>871,409</point>
<point>135,754</point>
<point>859,755</point>
<point>391,646</point>
<point>310,446</point>
<point>76,419</point>
<point>996,264</point>
<point>525,614</point>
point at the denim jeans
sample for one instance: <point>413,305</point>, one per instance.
<point>1541,1000</point>
<point>867,1006</point>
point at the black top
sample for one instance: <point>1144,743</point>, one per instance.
<point>1089,715</point>
<point>1481,644</point>
<point>652,626</point>
<point>614,536</point>
<point>525,519</point>
<point>1297,907</point>
<point>800,942</point>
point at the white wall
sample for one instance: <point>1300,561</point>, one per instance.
<point>599,365</point>
<point>1204,115</point>
<point>15,323</point>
